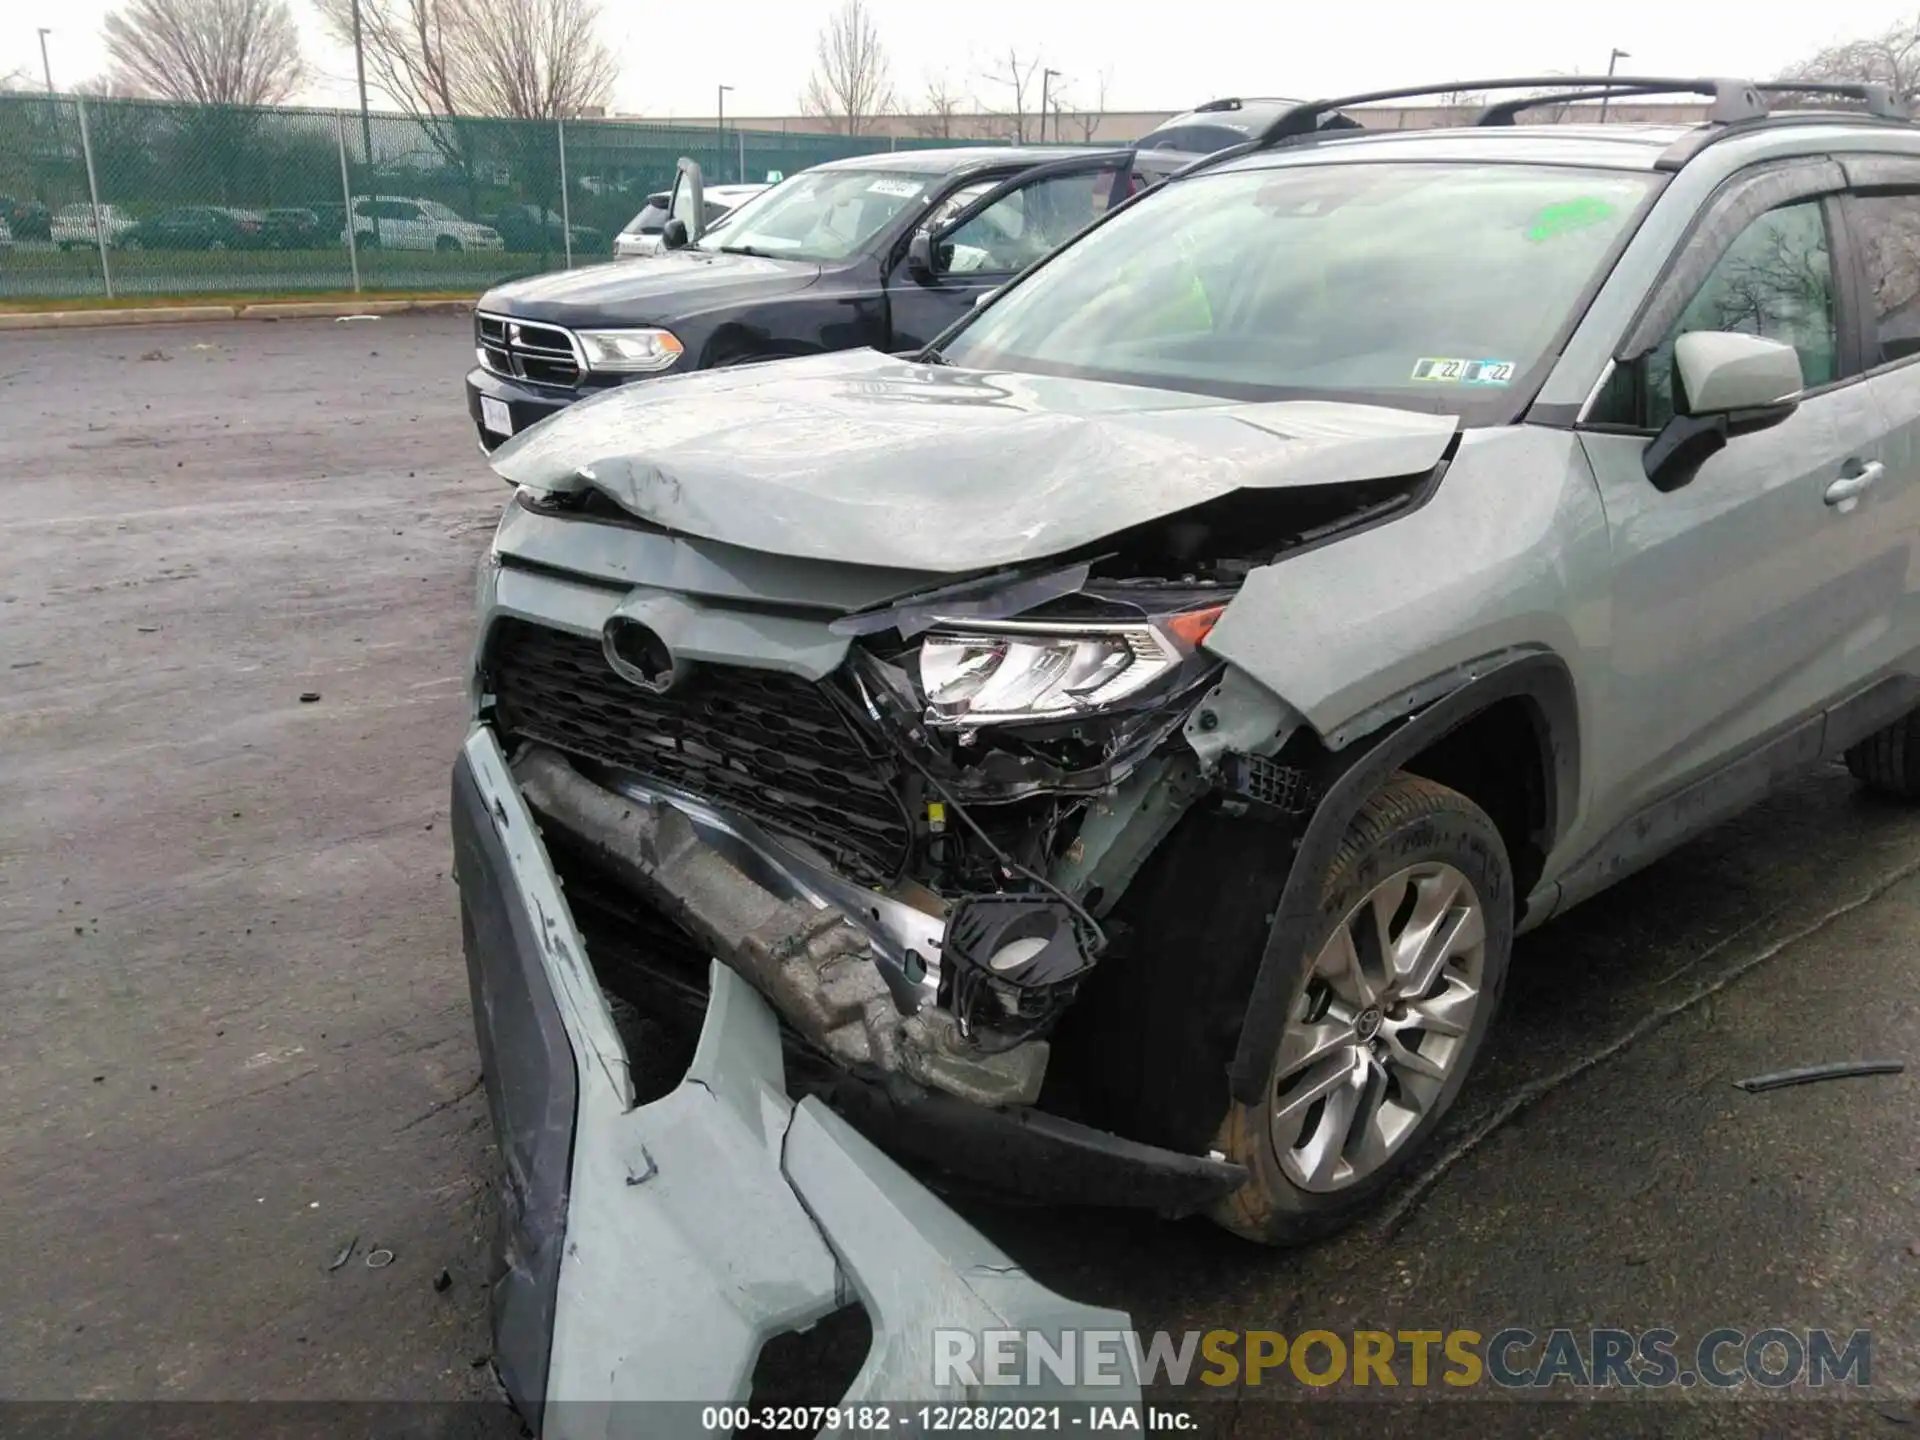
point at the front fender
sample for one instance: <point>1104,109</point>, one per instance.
<point>1349,776</point>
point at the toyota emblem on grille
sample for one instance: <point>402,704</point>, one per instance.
<point>640,657</point>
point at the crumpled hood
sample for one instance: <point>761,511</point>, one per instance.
<point>654,289</point>
<point>864,459</point>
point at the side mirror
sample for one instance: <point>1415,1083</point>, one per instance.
<point>687,202</point>
<point>1725,384</point>
<point>1722,371</point>
<point>922,257</point>
<point>673,235</point>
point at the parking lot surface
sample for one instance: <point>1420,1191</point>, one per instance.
<point>233,1017</point>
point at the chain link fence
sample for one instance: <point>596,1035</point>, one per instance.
<point>109,198</point>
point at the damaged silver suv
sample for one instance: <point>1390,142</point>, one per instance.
<point>1122,741</point>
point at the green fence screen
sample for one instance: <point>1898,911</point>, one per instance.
<point>194,200</point>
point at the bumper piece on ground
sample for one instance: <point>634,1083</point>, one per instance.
<point>700,1226</point>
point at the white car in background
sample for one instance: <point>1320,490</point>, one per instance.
<point>641,235</point>
<point>393,222</point>
<point>73,225</point>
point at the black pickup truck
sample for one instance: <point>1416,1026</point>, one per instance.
<point>880,250</point>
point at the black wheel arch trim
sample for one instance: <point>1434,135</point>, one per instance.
<point>1353,772</point>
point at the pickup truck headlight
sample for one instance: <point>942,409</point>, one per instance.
<point>629,351</point>
<point>1006,672</point>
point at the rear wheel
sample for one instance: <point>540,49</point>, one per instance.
<point>1398,991</point>
<point>446,244</point>
<point>132,242</point>
<point>1888,761</point>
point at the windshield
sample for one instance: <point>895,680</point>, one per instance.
<point>439,211</point>
<point>821,214</point>
<point>1423,285</point>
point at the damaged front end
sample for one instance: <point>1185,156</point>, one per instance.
<point>907,805</point>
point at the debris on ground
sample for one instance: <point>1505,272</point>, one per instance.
<point>443,1282</point>
<point>345,1254</point>
<point>1810,1074</point>
<point>156,355</point>
<point>379,1259</point>
<point>308,697</point>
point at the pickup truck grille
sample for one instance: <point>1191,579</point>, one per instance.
<point>769,746</point>
<point>527,350</point>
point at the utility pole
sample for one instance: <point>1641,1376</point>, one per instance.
<point>1046,76</point>
<point>366,126</point>
<point>46,64</point>
<point>1612,59</point>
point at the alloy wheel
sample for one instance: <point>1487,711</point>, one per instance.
<point>1379,1028</point>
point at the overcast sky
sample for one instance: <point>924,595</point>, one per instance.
<point>674,53</point>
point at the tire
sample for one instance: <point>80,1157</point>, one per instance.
<point>130,244</point>
<point>1333,1133</point>
<point>447,245</point>
<point>1887,762</point>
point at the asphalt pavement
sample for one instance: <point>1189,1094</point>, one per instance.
<point>234,1035</point>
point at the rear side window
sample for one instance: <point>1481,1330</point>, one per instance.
<point>1887,228</point>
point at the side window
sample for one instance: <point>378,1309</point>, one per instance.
<point>1887,228</point>
<point>1776,280</point>
<point>1022,226</point>
<point>956,202</point>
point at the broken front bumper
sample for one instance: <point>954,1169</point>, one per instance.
<point>646,1253</point>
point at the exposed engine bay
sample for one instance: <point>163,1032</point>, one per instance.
<point>917,852</point>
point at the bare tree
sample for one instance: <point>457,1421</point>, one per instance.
<point>851,81</point>
<point>528,59</point>
<point>1087,122</point>
<point>532,59</point>
<point>1891,58</point>
<point>1015,79</point>
<point>942,105</point>
<point>208,52</point>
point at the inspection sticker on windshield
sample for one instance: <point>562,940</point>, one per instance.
<point>902,189</point>
<point>1463,372</point>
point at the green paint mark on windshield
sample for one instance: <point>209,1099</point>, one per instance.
<point>1569,215</point>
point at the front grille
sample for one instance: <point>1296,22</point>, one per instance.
<point>527,350</point>
<point>770,746</point>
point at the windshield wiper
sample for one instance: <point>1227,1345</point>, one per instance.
<point>743,250</point>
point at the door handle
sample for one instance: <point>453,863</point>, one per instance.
<point>1852,487</point>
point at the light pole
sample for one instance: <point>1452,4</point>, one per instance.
<point>46,64</point>
<point>366,125</point>
<point>1613,58</point>
<point>722,125</point>
<point>1045,77</point>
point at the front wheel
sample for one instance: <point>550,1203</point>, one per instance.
<point>1416,922</point>
<point>446,245</point>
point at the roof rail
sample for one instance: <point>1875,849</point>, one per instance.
<point>1504,112</point>
<point>1732,100</point>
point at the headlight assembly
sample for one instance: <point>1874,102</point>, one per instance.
<point>1005,672</point>
<point>629,351</point>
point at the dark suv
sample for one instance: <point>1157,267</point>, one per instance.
<point>879,250</point>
